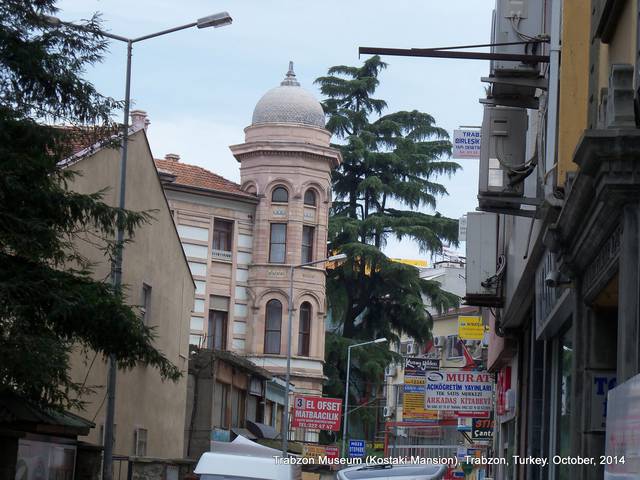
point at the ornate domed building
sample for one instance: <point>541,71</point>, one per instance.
<point>286,161</point>
<point>243,241</point>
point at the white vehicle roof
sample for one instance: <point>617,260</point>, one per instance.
<point>243,459</point>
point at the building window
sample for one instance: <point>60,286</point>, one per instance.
<point>222,235</point>
<point>280,195</point>
<point>217,330</point>
<point>195,340</point>
<point>220,399</point>
<point>308,234</point>
<point>273,327</point>
<point>278,246</point>
<point>454,347</point>
<point>310,198</point>
<point>304,329</point>
<point>140,442</point>
<point>146,303</point>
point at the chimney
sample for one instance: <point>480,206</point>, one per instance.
<point>139,120</point>
<point>173,157</point>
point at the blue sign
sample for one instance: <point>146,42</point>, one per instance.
<point>356,448</point>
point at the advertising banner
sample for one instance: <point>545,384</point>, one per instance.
<point>356,448</point>
<point>466,143</point>
<point>317,451</point>
<point>482,428</point>
<point>415,369</point>
<point>470,328</point>
<point>458,391</point>
<point>318,413</point>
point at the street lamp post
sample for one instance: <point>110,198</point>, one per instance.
<point>285,420</point>
<point>346,392</point>
<point>216,20</point>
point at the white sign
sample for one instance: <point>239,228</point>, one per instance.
<point>454,390</point>
<point>466,143</point>
<point>462,229</point>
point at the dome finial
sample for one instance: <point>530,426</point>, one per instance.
<point>290,79</point>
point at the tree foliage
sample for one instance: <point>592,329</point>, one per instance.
<point>385,182</point>
<point>49,298</point>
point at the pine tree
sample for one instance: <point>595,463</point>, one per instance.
<point>49,300</point>
<point>384,182</point>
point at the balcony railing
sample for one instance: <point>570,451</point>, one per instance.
<point>221,255</point>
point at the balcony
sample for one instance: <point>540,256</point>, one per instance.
<point>221,255</point>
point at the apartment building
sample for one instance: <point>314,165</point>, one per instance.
<point>149,412</point>
<point>242,240</point>
<point>553,259</point>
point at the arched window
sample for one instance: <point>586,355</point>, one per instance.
<point>304,329</point>
<point>310,198</point>
<point>273,327</point>
<point>280,194</point>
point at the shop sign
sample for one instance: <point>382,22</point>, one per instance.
<point>470,328</point>
<point>458,391</point>
<point>601,383</point>
<point>356,448</point>
<point>318,451</point>
<point>466,143</point>
<point>316,412</point>
<point>482,428</point>
<point>415,369</point>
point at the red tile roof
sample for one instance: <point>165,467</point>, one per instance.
<point>198,177</point>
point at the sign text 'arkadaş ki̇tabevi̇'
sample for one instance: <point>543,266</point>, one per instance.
<point>458,391</point>
<point>319,413</point>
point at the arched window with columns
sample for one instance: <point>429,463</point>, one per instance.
<point>304,329</point>
<point>273,327</point>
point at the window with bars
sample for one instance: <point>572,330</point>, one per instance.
<point>273,327</point>
<point>140,442</point>
<point>308,234</point>
<point>222,235</point>
<point>304,329</point>
<point>278,243</point>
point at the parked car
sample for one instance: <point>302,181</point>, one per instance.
<point>393,472</point>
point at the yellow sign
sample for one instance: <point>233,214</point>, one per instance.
<point>413,401</point>
<point>406,261</point>
<point>470,328</point>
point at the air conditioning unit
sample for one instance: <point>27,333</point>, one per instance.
<point>517,21</point>
<point>388,411</point>
<point>482,259</point>
<point>502,153</point>
<point>439,341</point>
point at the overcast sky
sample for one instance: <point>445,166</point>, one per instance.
<point>199,87</point>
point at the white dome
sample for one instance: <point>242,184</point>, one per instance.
<point>289,103</point>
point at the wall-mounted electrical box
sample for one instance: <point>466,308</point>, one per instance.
<point>482,244</point>
<point>502,151</point>
<point>517,21</point>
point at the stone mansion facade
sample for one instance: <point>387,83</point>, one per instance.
<point>241,239</point>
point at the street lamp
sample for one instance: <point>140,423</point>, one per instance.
<point>217,20</point>
<point>285,421</point>
<point>346,392</point>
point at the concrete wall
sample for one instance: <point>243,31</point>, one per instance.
<point>154,257</point>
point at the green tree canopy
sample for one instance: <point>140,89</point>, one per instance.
<point>49,300</point>
<point>386,181</point>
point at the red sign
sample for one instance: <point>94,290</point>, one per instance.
<point>332,452</point>
<point>318,413</point>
